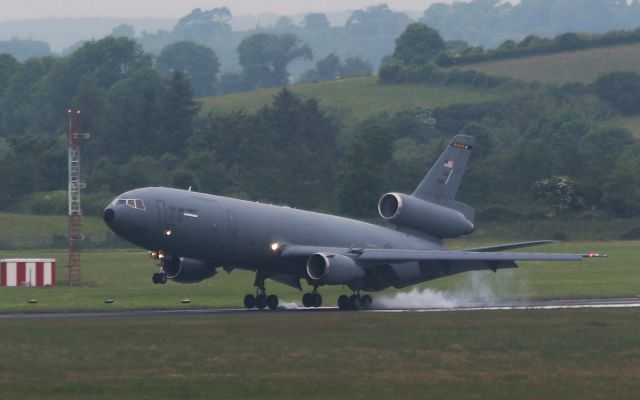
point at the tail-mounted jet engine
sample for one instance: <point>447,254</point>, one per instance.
<point>333,269</point>
<point>425,216</point>
<point>186,270</point>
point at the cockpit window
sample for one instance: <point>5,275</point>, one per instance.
<point>133,203</point>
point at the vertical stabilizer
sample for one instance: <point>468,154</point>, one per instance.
<point>443,179</point>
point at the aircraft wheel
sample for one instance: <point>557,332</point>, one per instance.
<point>307,300</point>
<point>366,301</point>
<point>162,278</point>
<point>317,300</point>
<point>343,302</point>
<point>249,301</point>
<point>354,302</point>
<point>272,302</point>
<point>155,278</point>
<point>261,301</point>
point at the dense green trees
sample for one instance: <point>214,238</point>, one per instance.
<point>284,153</point>
<point>621,89</point>
<point>418,44</point>
<point>264,58</point>
<point>363,177</point>
<point>198,63</point>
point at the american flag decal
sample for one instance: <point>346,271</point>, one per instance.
<point>448,164</point>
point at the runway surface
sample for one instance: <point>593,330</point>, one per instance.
<point>291,309</point>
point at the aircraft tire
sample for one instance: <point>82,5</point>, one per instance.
<point>317,300</point>
<point>249,301</point>
<point>343,302</point>
<point>307,300</point>
<point>261,301</point>
<point>272,302</point>
<point>366,301</point>
<point>354,302</point>
<point>162,278</point>
<point>155,278</point>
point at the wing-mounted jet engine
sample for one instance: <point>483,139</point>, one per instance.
<point>181,270</point>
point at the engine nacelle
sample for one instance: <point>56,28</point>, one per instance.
<point>425,216</point>
<point>187,270</point>
<point>333,269</point>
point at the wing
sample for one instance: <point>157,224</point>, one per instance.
<point>377,256</point>
<point>391,256</point>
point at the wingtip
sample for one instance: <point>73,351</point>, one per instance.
<point>594,255</point>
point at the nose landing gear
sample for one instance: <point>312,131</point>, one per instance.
<point>159,278</point>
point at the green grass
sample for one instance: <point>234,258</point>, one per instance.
<point>29,231</point>
<point>357,98</point>
<point>36,225</point>
<point>125,277</point>
<point>561,354</point>
<point>577,66</point>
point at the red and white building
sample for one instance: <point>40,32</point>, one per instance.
<point>27,272</point>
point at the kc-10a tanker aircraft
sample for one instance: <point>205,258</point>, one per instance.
<point>193,234</point>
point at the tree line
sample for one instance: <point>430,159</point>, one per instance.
<point>541,151</point>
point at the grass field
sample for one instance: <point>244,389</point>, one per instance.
<point>562,354</point>
<point>357,98</point>
<point>578,66</point>
<point>125,277</point>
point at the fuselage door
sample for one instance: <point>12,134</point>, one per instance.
<point>232,228</point>
<point>162,211</point>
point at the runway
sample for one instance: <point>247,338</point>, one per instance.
<point>212,312</point>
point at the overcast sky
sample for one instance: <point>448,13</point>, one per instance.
<point>38,9</point>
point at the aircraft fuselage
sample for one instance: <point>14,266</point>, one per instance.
<point>240,234</point>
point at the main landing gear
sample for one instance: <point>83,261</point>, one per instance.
<point>355,302</point>
<point>313,299</point>
<point>261,300</point>
<point>159,278</point>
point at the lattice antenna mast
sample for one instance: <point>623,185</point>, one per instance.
<point>74,136</point>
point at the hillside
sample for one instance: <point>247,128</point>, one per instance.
<point>358,97</point>
<point>576,66</point>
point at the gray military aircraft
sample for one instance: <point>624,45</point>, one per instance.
<point>192,234</point>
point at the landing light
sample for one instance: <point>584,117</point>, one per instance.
<point>276,247</point>
<point>168,232</point>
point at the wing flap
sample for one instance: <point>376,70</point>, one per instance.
<point>511,246</point>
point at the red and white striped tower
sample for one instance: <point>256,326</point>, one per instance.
<point>74,136</point>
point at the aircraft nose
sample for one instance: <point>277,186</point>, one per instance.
<point>108,215</point>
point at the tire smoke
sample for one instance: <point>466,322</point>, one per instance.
<point>481,288</point>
